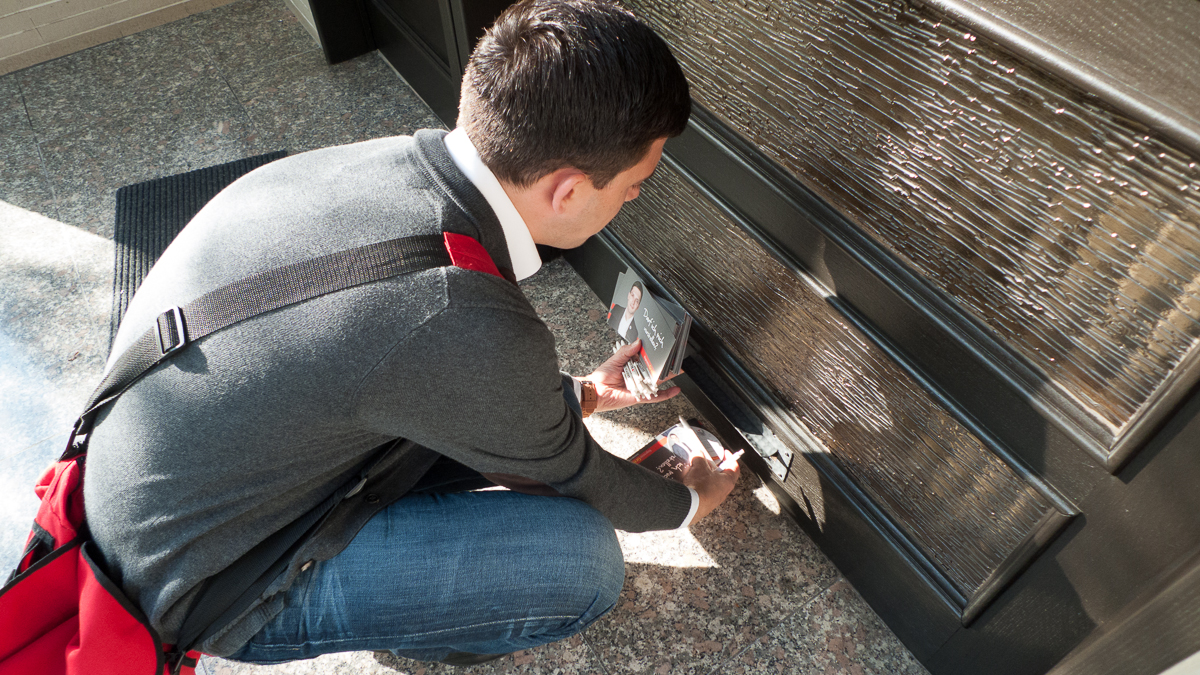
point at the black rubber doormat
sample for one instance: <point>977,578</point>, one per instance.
<point>150,214</point>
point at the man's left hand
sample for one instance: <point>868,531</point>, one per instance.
<point>610,385</point>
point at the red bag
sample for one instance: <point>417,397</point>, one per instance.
<point>59,613</point>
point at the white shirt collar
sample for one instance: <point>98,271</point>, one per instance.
<point>521,249</point>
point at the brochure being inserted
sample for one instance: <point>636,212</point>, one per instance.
<point>670,453</point>
<point>662,325</point>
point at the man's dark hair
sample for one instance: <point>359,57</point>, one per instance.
<point>559,83</point>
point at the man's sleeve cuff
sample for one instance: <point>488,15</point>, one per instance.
<point>577,386</point>
<point>692,511</point>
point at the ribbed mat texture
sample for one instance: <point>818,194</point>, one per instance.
<point>150,214</point>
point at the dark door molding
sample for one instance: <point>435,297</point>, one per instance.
<point>342,29</point>
<point>1157,630</point>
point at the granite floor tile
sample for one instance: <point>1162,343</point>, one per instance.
<point>34,407</point>
<point>694,599</point>
<point>55,297</point>
<point>141,107</point>
<point>13,118</point>
<point>303,103</point>
<point>23,181</point>
<point>206,126</point>
<point>836,633</point>
<point>569,657</point>
<point>119,84</point>
<point>18,503</point>
<point>249,34</point>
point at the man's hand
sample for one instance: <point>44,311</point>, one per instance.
<point>711,482</point>
<point>610,385</point>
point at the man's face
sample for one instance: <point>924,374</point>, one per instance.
<point>634,299</point>
<point>604,204</point>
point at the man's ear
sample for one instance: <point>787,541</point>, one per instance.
<point>568,186</point>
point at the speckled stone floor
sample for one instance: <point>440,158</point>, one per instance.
<point>744,591</point>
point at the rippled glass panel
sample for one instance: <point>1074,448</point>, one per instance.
<point>1069,231</point>
<point>932,476</point>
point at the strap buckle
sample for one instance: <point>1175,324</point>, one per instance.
<point>178,659</point>
<point>172,336</point>
<point>77,443</point>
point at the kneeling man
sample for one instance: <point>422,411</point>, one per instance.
<point>565,108</point>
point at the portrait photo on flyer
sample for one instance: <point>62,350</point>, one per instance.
<point>635,312</point>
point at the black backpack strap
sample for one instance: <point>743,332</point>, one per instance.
<point>259,293</point>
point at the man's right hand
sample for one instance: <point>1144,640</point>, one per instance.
<point>711,482</point>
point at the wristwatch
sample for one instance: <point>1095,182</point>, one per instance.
<point>588,398</point>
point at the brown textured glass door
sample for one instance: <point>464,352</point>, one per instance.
<point>959,285</point>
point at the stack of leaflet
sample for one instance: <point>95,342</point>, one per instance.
<point>662,325</point>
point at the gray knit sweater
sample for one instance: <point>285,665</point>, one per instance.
<point>250,427</point>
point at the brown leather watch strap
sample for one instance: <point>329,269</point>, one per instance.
<point>588,398</point>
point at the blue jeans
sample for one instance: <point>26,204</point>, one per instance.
<point>480,572</point>
<point>443,571</point>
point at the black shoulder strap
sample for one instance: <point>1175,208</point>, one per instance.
<point>259,293</point>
